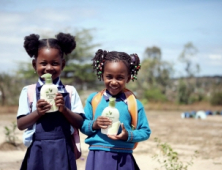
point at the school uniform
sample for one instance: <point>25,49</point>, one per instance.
<point>49,139</point>
<point>105,153</point>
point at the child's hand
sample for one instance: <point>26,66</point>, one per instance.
<point>42,107</point>
<point>59,102</point>
<point>122,136</point>
<point>102,123</point>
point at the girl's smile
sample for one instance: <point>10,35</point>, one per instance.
<point>115,76</point>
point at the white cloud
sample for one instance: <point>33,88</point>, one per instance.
<point>216,57</point>
<point>215,60</point>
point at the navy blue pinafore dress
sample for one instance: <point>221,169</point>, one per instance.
<point>52,147</point>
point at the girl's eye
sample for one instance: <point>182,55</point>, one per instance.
<point>43,63</point>
<point>120,78</point>
<point>55,64</point>
<point>109,77</point>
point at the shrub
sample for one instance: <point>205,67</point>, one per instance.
<point>184,92</point>
<point>10,134</point>
<point>216,98</point>
<point>154,95</point>
<point>169,159</point>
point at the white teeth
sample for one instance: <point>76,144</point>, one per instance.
<point>114,88</point>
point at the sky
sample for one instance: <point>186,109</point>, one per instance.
<point>119,25</point>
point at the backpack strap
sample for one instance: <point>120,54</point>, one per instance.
<point>69,90</point>
<point>132,106</point>
<point>75,136</point>
<point>30,94</point>
<point>95,101</point>
<point>131,102</point>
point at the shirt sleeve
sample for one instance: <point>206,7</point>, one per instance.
<point>88,121</point>
<point>23,108</point>
<point>76,104</point>
<point>142,131</point>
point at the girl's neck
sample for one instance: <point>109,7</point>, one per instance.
<point>114,95</point>
<point>54,81</point>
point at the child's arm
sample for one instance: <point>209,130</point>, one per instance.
<point>26,121</point>
<point>74,119</point>
<point>142,131</point>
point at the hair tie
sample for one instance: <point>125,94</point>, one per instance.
<point>135,66</point>
<point>132,58</point>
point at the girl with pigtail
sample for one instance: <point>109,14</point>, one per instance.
<point>48,135</point>
<point>114,152</point>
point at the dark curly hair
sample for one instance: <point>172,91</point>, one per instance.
<point>65,43</point>
<point>131,61</point>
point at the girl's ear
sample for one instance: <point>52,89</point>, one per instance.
<point>63,63</point>
<point>102,76</point>
<point>34,64</point>
<point>128,80</point>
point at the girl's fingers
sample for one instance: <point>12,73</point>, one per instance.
<point>42,103</point>
<point>113,137</point>
<point>104,121</point>
<point>59,101</point>
<point>58,104</point>
<point>46,107</point>
<point>103,127</point>
<point>122,126</point>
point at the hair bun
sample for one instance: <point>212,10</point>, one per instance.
<point>31,44</point>
<point>67,42</point>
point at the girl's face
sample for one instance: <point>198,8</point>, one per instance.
<point>48,61</point>
<point>115,76</point>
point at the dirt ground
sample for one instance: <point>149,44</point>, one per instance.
<point>185,136</point>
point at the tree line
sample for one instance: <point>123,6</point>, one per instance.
<point>154,83</point>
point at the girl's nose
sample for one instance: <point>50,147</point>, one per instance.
<point>114,81</point>
<point>49,67</point>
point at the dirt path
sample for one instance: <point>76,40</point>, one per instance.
<point>185,136</point>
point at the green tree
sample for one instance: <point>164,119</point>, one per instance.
<point>9,89</point>
<point>186,88</point>
<point>186,56</point>
<point>184,92</point>
<point>26,72</point>
<point>78,70</point>
<point>155,73</point>
<point>153,53</point>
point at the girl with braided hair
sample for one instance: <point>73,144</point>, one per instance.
<point>48,135</point>
<point>114,152</point>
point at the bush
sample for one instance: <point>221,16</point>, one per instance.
<point>195,97</point>
<point>184,93</point>
<point>154,95</point>
<point>216,98</point>
<point>169,159</point>
<point>10,134</point>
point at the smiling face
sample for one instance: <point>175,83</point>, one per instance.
<point>48,61</point>
<point>115,76</point>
